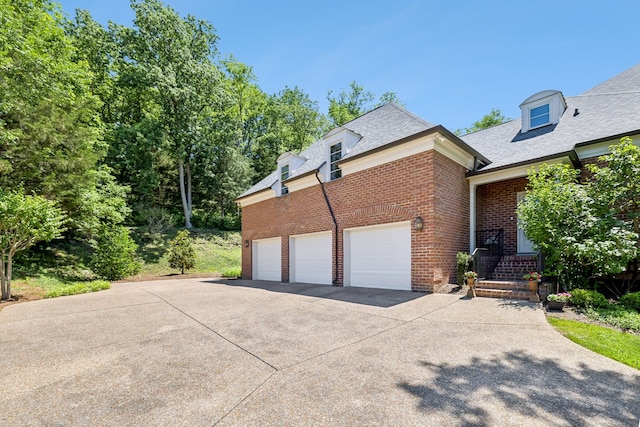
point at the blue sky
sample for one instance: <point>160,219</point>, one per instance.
<point>450,62</point>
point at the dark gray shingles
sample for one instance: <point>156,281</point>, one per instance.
<point>608,110</point>
<point>384,125</point>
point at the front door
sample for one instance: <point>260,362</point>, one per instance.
<point>525,245</point>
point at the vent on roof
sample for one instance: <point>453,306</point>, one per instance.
<point>542,109</point>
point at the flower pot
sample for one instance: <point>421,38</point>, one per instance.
<point>556,305</point>
<point>533,286</point>
<point>470,282</point>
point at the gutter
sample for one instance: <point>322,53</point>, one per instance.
<point>335,223</point>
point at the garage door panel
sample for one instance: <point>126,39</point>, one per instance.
<point>267,259</point>
<point>379,257</point>
<point>310,258</point>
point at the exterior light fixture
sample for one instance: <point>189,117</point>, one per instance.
<point>246,243</point>
<point>418,224</point>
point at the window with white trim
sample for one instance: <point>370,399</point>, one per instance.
<point>335,154</point>
<point>539,116</point>
<point>284,174</point>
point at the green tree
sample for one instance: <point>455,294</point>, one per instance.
<point>182,255</point>
<point>567,223</point>
<point>173,58</point>
<point>615,185</point>
<point>50,127</point>
<point>346,106</point>
<point>24,221</point>
<point>494,118</point>
<point>114,256</point>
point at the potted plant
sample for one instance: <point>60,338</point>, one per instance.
<point>471,277</point>
<point>557,301</point>
<point>533,277</point>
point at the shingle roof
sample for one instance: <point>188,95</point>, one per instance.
<point>608,110</point>
<point>379,127</point>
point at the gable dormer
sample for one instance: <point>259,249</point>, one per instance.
<point>542,109</point>
<point>337,143</point>
<point>287,164</point>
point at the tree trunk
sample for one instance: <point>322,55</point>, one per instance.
<point>189,201</point>
<point>9,272</point>
<point>186,208</point>
<point>3,277</point>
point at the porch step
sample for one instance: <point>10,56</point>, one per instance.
<point>513,267</point>
<point>518,290</point>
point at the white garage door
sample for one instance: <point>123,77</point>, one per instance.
<point>267,259</point>
<point>379,256</point>
<point>310,258</point>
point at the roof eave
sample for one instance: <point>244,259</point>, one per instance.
<point>573,156</point>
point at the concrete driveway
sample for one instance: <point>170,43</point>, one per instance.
<point>203,353</point>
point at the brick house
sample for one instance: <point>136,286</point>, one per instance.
<point>388,199</point>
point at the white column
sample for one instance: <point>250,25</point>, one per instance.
<point>472,217</point>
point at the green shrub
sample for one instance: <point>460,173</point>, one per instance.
<point>182,255</point>
<point>115,254</point>
<point>78,288</point>
<point>232,273</point>
<point>584,298</point>
<point>631,301</point>
<point>206,219</point>
<point>464,261</point>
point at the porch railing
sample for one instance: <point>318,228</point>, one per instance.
<point>489,250</point>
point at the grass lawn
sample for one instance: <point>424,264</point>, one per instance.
<point>608,342</point>
<point>62,268</point>
<point>216,251</point>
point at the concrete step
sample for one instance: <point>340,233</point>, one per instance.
<point>503,294</point>
<point>506,289</point>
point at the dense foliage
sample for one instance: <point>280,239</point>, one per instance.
<point>143,124</point>
<point>589,232</point>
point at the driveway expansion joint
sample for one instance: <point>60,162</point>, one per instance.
<point>275,369</point>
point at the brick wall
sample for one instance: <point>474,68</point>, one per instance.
<point>427,184</point>
<point>496,208</point>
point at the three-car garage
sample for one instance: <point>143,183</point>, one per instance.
<point>374,257</point>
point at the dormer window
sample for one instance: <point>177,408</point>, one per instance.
<point>284,174</point>
<point>542,109</point>
<point>539,116</point>
<point>335,154</point>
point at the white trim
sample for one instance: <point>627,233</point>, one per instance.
<point>433,141</point>
<point>472,217</point>
<point>453,152</point>
<point>511,173</point>
<point>302,183</point>
<point>391,154</point>
<point>258,197</point>
<point>601,148</point>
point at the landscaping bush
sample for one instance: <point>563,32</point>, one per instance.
<point>232,273</point>
<point>584,298</point>
<point>464,261</point>
<point>182,255</point>
<point>115,254</point>
<point>631,301</point>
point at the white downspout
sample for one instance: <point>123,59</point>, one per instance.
<point>472,217</point>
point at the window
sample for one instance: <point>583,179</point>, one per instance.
<point>284,174</point>
<point>335,154</point>
<point>539,116</point>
